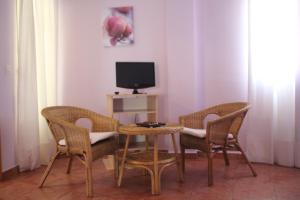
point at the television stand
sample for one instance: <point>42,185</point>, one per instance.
<point>144,105</point>
<point>133,104</point>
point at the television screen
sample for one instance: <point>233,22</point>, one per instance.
<point>135,75</point>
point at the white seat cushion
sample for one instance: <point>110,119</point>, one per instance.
<point>94,137</point>
<point>201,133</point>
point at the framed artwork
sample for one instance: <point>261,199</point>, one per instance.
<point>118,26</point>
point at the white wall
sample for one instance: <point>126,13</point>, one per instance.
<point>88,68</point>
<point>164,33</point>
<point>182,53</point>
<point>297,117</point>
<point>196,46</point>
<point>224,53</point>
<point>6,84</point>
<point>207,53</point>
<point>224,50</point>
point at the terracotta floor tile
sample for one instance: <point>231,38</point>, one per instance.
<point>230,182</point>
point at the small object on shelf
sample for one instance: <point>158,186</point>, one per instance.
<point>150,124</point>
<point>116,93</point>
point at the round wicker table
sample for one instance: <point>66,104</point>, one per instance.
<point>152,160</point>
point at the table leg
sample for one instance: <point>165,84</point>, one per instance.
<point>179,171</point>
<point>155,166</point>
<point>123,160</point>
<point>146,149</point>
<point>146,142</point>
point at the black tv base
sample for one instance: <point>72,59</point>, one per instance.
<point>135,91</point>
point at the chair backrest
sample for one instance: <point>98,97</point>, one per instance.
<point>197,119</point>
<point>100,123</point>
<point>52,116</point>
<point>62,123</point>
<point>218,130</point>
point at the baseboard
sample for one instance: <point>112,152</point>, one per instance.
<point>10,173</point>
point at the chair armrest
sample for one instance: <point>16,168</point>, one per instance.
<point>196,119</point>
<point>101,123</point>
<point>77,138</point>
<point>217,130</point>
<point>193,120</point>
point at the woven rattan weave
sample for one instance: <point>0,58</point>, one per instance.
<point>230,119</point>
<point>62,123</point>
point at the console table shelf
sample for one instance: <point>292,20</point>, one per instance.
<point>133,104</point>
<point>140,104</point>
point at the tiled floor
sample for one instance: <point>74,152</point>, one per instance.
<point>233,182</point>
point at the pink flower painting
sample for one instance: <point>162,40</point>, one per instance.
<point>118,26</point>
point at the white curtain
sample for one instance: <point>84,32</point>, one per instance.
<point>274,41</point>
<point>35,80</point>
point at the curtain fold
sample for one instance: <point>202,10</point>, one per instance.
<point>273,59</point>
<point>46,45</point>
<point>27,147</point>
<point>297,141</point>
<point>35,80</point>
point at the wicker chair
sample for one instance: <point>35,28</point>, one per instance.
<point>220,134</point>
<point>75,141</point>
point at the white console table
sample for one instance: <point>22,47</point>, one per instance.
<point>133,104</point>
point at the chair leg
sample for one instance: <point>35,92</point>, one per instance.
<point>178,161</point>
<point>182,150</point>
<point>70,164</point>
<point>48,169</point>
<point>225,156</point>
<point>245,157</point>
<point>116,160</point>
<point>89,179</point>
<point>123,161</point>
<point>210,168</point>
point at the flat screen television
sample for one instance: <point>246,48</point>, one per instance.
<point>135,75</point>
